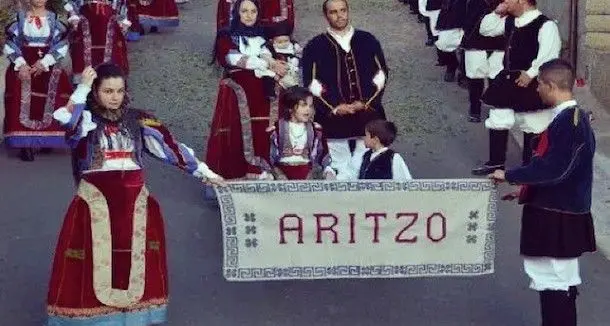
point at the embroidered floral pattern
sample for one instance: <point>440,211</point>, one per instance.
<point>102,248</point>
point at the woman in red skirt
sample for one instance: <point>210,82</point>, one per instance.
<point>236,152</point>
<point>98,37</point>
<point>158,13</point>
<point>35,84</point>
<point>110,266</point>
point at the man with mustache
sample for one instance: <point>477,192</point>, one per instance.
<point>345,69</point>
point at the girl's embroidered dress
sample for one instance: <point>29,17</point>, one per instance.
<point>29,104</point>
<point>110,266</point>
<point>298,150</point>
<point>98,37</point>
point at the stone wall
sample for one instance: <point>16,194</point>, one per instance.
<point>597,48</point>
<point>593,38</point>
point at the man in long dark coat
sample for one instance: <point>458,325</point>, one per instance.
<point>346,71</point>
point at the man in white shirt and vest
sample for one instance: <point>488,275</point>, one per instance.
<point>532,40</point>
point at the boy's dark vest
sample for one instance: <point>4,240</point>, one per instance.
<point>379,168</point>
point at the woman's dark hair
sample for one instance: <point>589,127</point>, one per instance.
<point>291,98</point>
<point>237,29</point>
<point>104,71</point>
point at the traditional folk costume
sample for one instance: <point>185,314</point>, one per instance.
<point>533,39</point>
<point>298,150</point>
<point>271,13</point>
<point>290,53</point>
<point>158,13</point>
<point>292,56</point>
<point>341,70</point>
<point>110,266</point>
<point>135,31</point>
<point>383,164</point>
<point>99,36</point>
<point>557,227</point>
<point>483,55</point>
<point>449,25</point>
<point>430,9</point>
<point>276,12</point>
<point>238,145</point>
<point>29,104</point>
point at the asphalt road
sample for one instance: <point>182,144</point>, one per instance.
<point>170,76</point>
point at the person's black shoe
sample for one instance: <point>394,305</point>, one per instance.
<point>463,81</point>
<point>154,29</point>
<point>449,76</point>
<point>486,169</point>
<point>430,42</point>
<point>474,118</point>
<point>421,19</point>
<point>26,155</point>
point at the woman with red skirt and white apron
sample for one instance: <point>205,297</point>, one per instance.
<point>35,84</point>
<point>110,266</point>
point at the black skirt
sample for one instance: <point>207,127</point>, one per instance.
<point>547,233</point>
<point>503,93</point>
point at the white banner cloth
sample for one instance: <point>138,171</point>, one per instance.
<point>377,229</point>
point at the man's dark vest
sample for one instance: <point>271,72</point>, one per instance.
<point>522,47</point>
<point>379,168</point>
<point>473,40</point>
<point>432,5</point>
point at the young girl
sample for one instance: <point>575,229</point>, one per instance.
<point>110,266</point>
<point>35,84</point>
<point>298,147</point>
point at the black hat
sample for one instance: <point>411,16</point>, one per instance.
<point>278,29</point>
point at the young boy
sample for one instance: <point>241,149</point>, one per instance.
<point>380,162</point>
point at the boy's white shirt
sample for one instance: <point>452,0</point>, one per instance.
<point>400,170</point>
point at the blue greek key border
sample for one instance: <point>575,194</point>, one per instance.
<point>233,272</point>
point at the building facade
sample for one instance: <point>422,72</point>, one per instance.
<point>585,31</point>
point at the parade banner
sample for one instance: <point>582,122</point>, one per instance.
<point>282,230</point>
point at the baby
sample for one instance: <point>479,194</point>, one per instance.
<point>282,47</point>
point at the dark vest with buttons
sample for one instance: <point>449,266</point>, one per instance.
<point>522,48</point>
<point>378,168</point>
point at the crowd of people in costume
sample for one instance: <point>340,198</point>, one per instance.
<point>505,52</point>
<point>312,112</point>
<point>37,39</point>
<point>284,112</point>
